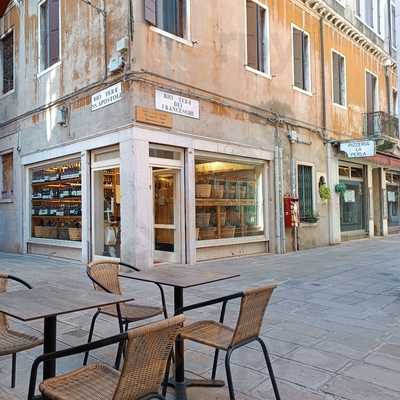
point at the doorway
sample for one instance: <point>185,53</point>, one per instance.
<point>167,200</point>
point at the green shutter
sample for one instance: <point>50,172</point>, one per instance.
<point>305,190</point>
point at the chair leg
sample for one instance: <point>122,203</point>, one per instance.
<point>121,346</point>
<point>166,377</point>
<point>270,370</point>
<point>13,370</point>
<point>85,360</point>
<point>229,374</point>
<point>214,370</point>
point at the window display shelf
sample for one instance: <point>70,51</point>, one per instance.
<point>77,199</point>
<point>62,182</point>
<point>78,217</point>
<point>225,202</point>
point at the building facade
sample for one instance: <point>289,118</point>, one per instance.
<point>177,132</point>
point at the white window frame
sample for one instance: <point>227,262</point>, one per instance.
<point>344,106</point>
<point>314,192</point>
<point>43,71</point>
<point>187,36</point>
<point>3,153</point>
<point>394,37</point>
<point>267,73</point>
<point>12,31</point>
<point>383,20</point>
<point>307,92</point>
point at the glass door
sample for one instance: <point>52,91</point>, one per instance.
<point>352,212</point>
<point>106,213</point>
<point>167,220</point>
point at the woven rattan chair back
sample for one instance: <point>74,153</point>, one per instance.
<point>105,273</point>
<point>251,315</point>
<point>148,350</point>
<point>3,288</point>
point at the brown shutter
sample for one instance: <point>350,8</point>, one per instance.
<point>54,28</point>
<point>252,59</point>
<point>298,66</point>
<point>150,11</point>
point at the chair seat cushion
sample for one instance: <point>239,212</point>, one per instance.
<point>14,342</point>
<point>94,382</point>
<point>132,312</point>
<point>210,333</point>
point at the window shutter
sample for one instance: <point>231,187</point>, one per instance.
<point>305,189</point>
<point>298,67</point>
<point>150,11</point>
<point>336,78</point>
<point>252,60</point>
<point>54,28</point>
<point>8,62</point>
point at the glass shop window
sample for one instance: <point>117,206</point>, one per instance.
<point>56,194</point>
<point>229,199</point>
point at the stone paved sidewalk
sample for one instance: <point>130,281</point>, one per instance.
<point>332,327</point>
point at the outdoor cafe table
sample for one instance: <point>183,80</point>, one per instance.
<point>47,303</point>
<point>181,277</point>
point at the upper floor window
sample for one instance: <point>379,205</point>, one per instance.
<point>169,15</point>
<point>393,19</point>
<point>301,59</point>
<point>6,176</point>
<point>339,78</point>
<point>49,17</point>
<point>257,36</point>
<point>7,62</point>
<point>371,12</point>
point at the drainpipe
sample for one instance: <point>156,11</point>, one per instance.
<point>279,216</point>
<point>389,14</point>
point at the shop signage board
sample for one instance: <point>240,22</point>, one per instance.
<point>175,104</point>
<point>153,117</point>
<point>360,148</point>
<point>107,96</point>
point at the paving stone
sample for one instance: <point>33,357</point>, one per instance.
<point>300,374</point>
<point>373,374</point>
<point>383,360</point>
<point>317,358</point>
<point>287,391</point>
<point>355,389</point>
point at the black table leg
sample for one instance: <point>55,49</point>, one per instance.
<point>179,384</point>
<point>50,346</point>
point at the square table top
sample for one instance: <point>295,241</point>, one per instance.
<point>179,276</point>
<point>49,301</point>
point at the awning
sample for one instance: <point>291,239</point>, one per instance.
<point>3,6</point>
<point>385,160</point>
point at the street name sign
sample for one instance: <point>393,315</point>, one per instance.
<point>107,96</point>
<point>357,149</point>
<point>176,104</point>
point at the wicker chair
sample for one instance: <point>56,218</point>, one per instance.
<point>147,351</point>
<point>222,337</point>
<point>12,342</point>
<point>105,277</point>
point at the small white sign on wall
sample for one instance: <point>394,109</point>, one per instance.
<point>176,104</point>
<point>107,96</point>
<point>350,196</point>
<point>360,148</point>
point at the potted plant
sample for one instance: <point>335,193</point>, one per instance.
<point>324,192</point>
<point>340,188</point>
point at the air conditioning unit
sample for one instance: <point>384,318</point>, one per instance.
<point>116,64</point>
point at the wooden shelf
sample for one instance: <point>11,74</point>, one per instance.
<point>77,199</point>
<point>57,216</point>
<point>225,202</point>
<point>58,182</point>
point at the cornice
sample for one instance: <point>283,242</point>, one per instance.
<point>349,30</point>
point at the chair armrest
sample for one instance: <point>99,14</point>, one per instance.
<point>129,266</point>
<point>69,352</point>
<point>19,280</point>
<point>207,303</point>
